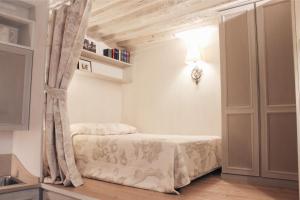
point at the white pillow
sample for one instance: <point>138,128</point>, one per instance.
<point>102,129</point>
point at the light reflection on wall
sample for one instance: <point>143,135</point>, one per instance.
<point>196,42</point>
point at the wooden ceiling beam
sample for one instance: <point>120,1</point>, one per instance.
<point>119,10</point>
<point>191,13</point>
<point>168,24</point>
<point>185,23</point>
<point>159,23</point>
<point>178,23</point>
<point>148,14</point>
<point>166,35</point>
<point>100,6</point>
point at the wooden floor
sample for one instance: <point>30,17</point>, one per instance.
<point>211,187</point>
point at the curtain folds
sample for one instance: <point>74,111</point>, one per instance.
<point>67,26</point>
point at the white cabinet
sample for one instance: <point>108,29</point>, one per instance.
<point>47,195</point>
<point>21,195</point>
<point>258,91</point>
<point>239,92</point>
<point>277,90</point>
<point>17,27</point>
<point>15,84</point>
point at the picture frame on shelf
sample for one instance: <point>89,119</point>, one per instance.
<point>85,65</point>
<point>92,47</point>
<point>86,44</point>
<point>89,45</point>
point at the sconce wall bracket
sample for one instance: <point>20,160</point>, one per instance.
<point>196,74</point>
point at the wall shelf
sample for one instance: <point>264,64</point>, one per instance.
<point>16,45</point>
<point>88,55</point>
<point>23,26</point>
<point>16,19</point>
<point>100,76</point>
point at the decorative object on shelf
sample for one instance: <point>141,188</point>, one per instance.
<point>92,47</point>
<point>118,54</point>
<point>85,65</point>
<point>8,34</point>
<point>89,45</point>
<point>88,55</point>
<point>13,35</point>
<point>125,56</point>
<point>86,44</point>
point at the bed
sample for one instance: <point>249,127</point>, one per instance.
<point>117,153</point>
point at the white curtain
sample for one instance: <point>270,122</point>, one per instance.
<point>67,26</point>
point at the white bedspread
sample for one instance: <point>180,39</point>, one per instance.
<point>155,162</point>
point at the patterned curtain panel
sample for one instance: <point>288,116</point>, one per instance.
<point>67,26</point>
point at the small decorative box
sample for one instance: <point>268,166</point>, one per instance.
<point>8,34</point>
<point>13,35</point>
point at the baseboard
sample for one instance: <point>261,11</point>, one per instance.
<point>261,181</point>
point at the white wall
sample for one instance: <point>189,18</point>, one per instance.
<point>93,100</point>
<point>162,97</point>
<point>6,139</point>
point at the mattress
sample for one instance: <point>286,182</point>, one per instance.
<point>161,163</point>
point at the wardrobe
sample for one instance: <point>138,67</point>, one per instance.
<point>258,91</point>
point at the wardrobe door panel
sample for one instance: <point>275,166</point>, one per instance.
<point>239,147</point>
<point>279,54</point>
<point>238,79</point>
<point>277,90</point>
<point>282,150</point>
<point>239,92</point>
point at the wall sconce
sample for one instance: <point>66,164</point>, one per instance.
<point>196,74</point>
<point>195,41</point>
<point>193,60</point>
